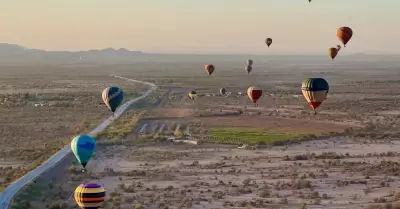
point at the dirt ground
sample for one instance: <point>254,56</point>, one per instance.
<point>43,108</point>
<point>62,115</point>
<point>363,93</point>
<point>229,119</point>
<point>334,173</point>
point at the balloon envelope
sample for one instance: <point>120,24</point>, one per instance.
<point>344,34</point>
<point>268,41</point>
<point>338,47</point>
<point>192,94</point>
<point>113,97</point>
<point>89,196</point>
<point>332,52</point>
<point>209,69</point>
<point>222,91</point>
<point>254,93</point>
<point>83,147</point>
<point>248,68</point>
<point>315,91</point>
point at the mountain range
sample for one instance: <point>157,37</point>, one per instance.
<point>13,52</point>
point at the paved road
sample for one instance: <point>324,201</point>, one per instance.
<point>7,195</point>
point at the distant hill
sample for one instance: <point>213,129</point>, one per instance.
<point>16,53</point>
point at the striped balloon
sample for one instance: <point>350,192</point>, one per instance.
<point>113,97</point>
<point>315,91</point>
<point>89,196</point>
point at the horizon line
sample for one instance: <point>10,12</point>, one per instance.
<point>211,53</point>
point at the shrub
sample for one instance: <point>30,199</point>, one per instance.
<point>58,205</point>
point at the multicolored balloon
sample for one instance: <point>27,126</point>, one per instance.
<point>248,68</point>
<point>344,34</point>
<point>268,41</point>
<point>192,95</point>
<point>332,52</point>
<point>315,91</point>
<point>113,97</point>
<point>89,196</point>
<point>83,147</point>
<point>209,69</point>
<point>254,93</point>
<point>222,91</point>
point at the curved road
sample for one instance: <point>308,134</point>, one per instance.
<point>7,195</point>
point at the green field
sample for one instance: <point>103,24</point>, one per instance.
<point>253,136</point>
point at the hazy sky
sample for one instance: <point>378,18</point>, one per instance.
<point>201,26</point>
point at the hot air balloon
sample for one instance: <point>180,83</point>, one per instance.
<point>89,196</point>
<point>315,91</point>
<point>332,52</point>
<point>209,68</point>
<point>83,147</point>
<point>248,69</point>
<point>192,95</point>
<point>344,34</point>
<point>268,41</point>
<point>113,97</point>
<point>222,91</point>
<point>338,47</point>
<point>249,62</point>
<point>254,93</point>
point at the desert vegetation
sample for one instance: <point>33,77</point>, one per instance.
<point>333,173</point>
<point>345,156</point>
<point>40,115</point>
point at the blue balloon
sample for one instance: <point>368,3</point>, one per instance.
<point>83,147</point>
<point>113,97</point>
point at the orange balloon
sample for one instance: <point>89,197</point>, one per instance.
<point>344,34</point>
<point>332,52</point>
<point>209,69</point>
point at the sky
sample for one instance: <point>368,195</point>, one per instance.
<point>203,26</point>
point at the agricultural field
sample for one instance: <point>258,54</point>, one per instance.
<point>337,158</point>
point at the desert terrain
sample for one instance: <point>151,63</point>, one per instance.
<point>43,108</point>
<point>345,156</point>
